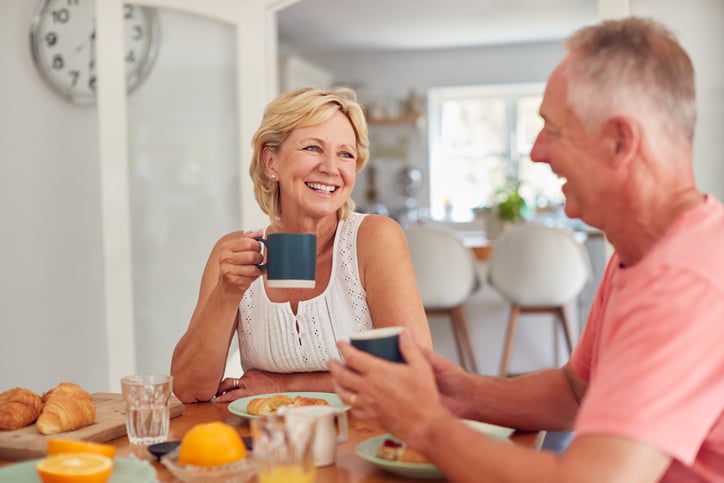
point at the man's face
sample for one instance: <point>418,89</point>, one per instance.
<point>571,151</point>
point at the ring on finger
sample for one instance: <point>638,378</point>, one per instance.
<point>236,383</point>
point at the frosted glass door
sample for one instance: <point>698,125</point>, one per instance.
<point>183,138</point>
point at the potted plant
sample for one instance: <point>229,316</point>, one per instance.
<point>511,206</point>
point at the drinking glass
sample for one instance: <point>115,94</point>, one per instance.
<point>284,450</point>
<point>146,398</point>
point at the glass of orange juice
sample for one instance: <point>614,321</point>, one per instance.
<point>284,451</point>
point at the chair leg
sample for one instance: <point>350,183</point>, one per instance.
<point>566,328</point>
<point>462,339</point>
<point>510,335</point>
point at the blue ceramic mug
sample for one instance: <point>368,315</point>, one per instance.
<point>382,342</point>
<point>291,259</point>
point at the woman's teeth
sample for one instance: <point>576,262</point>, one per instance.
<point>322,187</point>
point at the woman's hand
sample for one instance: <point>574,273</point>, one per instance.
<point>253,382</point>
<point>238,258</point>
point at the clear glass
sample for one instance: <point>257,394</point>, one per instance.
<point>284,453</point>
<point>148,412</point>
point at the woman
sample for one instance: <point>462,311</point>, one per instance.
<point>307,152</point>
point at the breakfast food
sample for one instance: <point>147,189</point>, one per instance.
<point>67,407</point>
<point>393,450</point>
<point>263,406</point>
<point>75,468</point>
<point>18,408</point>
<point>58,446</point>
<point>211,444</point>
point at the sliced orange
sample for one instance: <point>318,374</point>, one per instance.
<point>57,446</point>
<point>75,468</point>
<point>211,444</point>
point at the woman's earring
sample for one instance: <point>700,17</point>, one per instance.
<point>273,176</point>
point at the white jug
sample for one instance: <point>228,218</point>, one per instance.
<point>327,435</point>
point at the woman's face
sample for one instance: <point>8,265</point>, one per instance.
<point>315,168</point>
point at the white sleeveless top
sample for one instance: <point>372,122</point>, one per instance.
<point>268,337</point>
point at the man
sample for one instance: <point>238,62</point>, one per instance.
<point>644,389</point>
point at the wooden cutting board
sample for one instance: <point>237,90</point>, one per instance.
<point>27,442</point>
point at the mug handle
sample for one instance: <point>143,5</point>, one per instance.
<point>342,424</point>
<point>262,266</point>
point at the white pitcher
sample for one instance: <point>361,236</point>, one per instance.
<point>327,435</point>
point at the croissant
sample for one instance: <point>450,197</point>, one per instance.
<point>262,406</point>
<point>67,407</point>
<point>18,408</point>
<point>300,401</point>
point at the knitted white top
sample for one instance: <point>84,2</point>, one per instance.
<point>268,336</point>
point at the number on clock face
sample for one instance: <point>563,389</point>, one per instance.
<point>64,41</point>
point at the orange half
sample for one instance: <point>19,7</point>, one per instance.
<point>75,468</point>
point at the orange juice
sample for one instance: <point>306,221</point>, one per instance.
<point>286,474</point>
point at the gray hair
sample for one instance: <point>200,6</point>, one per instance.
<point>633,67</point>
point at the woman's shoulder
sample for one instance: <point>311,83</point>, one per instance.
<point>377,229</point>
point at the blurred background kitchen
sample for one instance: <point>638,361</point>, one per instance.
<point>109,210</point>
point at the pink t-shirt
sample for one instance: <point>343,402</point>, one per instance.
<point>653,349</point>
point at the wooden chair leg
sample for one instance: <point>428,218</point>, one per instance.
<point>462,337</point>
<point>510,335</point>
<point>566,328</point>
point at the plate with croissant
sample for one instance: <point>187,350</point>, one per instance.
<point>264,404</point>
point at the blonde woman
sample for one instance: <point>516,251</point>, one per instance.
<point>307,152</point>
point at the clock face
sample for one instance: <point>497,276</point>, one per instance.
<point>63,40</point>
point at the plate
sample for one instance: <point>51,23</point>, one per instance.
<point>125,470</point>
<point>238,407</point>
<point>367,450</point>
<point>492,430</point>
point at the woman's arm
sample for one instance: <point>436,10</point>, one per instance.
<point>199,358</point>
<point>388,277</point>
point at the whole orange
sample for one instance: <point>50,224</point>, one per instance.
<point>211,444</point>
<point>75,468</point>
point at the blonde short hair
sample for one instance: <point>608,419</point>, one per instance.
<point>301,108</point>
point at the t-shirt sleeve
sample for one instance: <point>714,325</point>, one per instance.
<point>658,378</point>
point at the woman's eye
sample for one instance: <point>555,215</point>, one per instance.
<point>313,148</point>
<point>346,154</point>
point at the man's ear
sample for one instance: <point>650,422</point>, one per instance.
<point>623,139</point>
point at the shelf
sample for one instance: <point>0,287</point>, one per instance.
<point>409,119</point>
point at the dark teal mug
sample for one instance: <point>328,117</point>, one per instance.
<point>291,260</point>
<point>382,342</point>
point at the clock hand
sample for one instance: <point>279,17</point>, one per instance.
<point>92,63</point>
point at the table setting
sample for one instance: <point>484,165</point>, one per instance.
<point>340,448</point>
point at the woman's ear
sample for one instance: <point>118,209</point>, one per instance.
<point>623,139</point>
<point>267,156</point>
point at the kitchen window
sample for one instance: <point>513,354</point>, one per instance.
<point>480,139</point>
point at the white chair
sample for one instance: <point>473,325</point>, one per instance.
<point>538,269</point>
<point>446,276</point>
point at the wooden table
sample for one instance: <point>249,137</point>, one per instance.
<point>349,468</point>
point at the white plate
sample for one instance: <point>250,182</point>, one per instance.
<point>492,430</point>
<point>125,470</point>
<point>238,407</point>
<point>367,450</point>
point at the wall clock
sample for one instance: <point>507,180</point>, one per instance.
<point>63,39</point>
